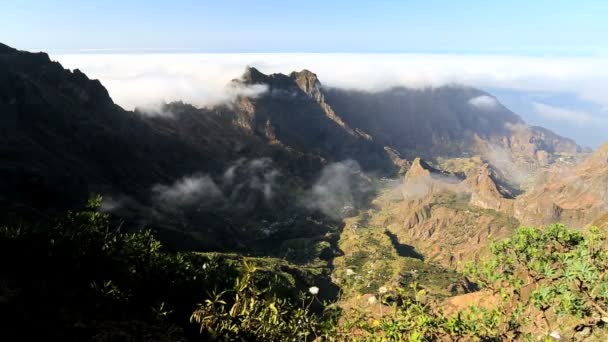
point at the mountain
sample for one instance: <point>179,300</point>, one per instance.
<point>572,194</point>
<point>451,212</point>
<point>353,192</point>
<point>63,140</point>
<point>293,112</point>
<point>237,176</point>
<point>450,217</point>
<point>449,121</point>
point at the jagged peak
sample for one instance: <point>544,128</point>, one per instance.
<point>485,180</point>
<point>306,80</point>
<point>253,76</point>
<point>420,166</point>
<point>304,73</point>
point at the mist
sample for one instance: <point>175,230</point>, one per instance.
<point>242,186</point>
<point>340,188</point>
<point>147,80</point>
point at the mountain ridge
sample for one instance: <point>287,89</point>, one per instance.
<point>79,143</point>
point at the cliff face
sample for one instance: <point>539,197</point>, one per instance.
<point>448,122</point>
<point>576,195</point>
<point>293,113</point>
<point>453,216</point>
<point>456,216</point>
<point>62,139</point>
<point>486,191</point>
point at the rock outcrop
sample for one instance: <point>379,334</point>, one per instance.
<point>452,217</point>
<point>487,193</point>
<point>575,195</point>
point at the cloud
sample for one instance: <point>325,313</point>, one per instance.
<point>419,184</point>
<point>235,89</point>
<point>154,109</point>
<point>484,102</point>
<point>187,191</point>
<point>201,79</point>
<point>563,114</point>
<point>502,159</point>
<point>243,185</point>
<point>244,179</point>
<point>338,190</point>
<point>150,80</point>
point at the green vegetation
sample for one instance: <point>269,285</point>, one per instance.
<point>543,284</point>
<point>82,279</point>
<point>556,274</point>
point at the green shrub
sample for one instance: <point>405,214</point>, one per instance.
<point>82,278</point>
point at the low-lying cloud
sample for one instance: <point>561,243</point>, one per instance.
<point>243,185</point>
<point>338,190</point>
<point>148,80</point>
<point>563,114</point>
<point>201,79</point>
<point>502,159</point>
<point>189,190</point>
<point>245,178</point>
<point>484,102</point>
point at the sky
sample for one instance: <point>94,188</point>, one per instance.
<point>515,26</point>
<point>546,60</point>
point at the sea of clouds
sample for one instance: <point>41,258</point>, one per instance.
<point>146,79</point>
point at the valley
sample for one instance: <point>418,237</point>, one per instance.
<point>365,200</point>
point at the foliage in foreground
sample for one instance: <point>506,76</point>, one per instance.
<point>82,279</point>
<point>543,283</point>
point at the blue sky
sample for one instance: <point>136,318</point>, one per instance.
<point>546,60</point>
<point>522,27</point>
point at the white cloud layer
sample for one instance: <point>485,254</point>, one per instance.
<point>563,114</point>
<point>201,79</point>
<point>484,102</point>
<point>187,191</point>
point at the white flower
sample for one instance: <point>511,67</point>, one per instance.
<point>313,290</point>
<point>382,290</point>
<point>349,272</point>
<point>371,300</point>
<point>555,334</point>
<point>205,266</point>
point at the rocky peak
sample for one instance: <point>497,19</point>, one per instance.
<point>422,180</point>
<point>484,180</point>
<point>306,80</point>
<point>486,192</point>
<point>253,76</point>
<point>285,90</point>
<point>421,168</point>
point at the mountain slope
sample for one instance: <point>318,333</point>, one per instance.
<point>576,195</point>
<point>451,121</point>
<point>215,178</point>
<point>62,128</point>
<point>293,112</point>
